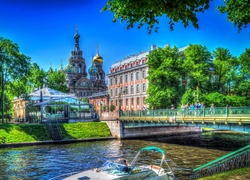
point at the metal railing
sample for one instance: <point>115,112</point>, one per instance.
<point>196,112</point>
<point>50,125</point>
<point>237,159</point>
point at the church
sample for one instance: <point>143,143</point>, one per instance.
<point>76,74</point>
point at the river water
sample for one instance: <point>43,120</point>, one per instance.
<point>184,153</point>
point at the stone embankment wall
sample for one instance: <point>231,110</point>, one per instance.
<point>140,132</point>
<point>118,131</point>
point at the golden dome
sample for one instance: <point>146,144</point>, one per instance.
<point>97,58</point>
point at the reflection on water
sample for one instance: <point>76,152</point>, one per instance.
<point>45,162</point>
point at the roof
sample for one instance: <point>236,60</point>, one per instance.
<point>129,59</point>
<point>63,100</point>
<point>48,93</point>
<point>135,57</point>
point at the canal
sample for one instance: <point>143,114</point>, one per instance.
<point>184,152</point>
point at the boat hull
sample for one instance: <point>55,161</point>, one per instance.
<point>93,175</point>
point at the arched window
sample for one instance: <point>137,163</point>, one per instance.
<point>79,70</point>
<point>137,75</point>
<point>121,79</point>
<point>115,80</point>
<point>132,76</point>
<point>132,89</point>
<point>143,73</point>
<point>137,88</point>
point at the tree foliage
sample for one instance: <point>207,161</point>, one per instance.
<point>37,76</point>
<point>222,65</point>
<point>238,12</point>
<point>197,75</point>
<point>13,65</point>
<point>164,77</point>
<point>196,65</point>
<point>243,87</point>
<point>149,11</point>
<point>56,79</point>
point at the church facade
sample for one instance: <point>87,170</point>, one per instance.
<point>77,76</point>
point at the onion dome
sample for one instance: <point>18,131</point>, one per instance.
<point>69,68</point>
<point>92,70</point>
<point>97,58</point>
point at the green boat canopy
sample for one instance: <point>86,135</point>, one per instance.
<point>153,148</point>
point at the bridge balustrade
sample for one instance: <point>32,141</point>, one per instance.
<point>197,112</point>
<point>237,159</point>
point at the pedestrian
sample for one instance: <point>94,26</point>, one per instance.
<point>182,110</point>
<point>212,109</point>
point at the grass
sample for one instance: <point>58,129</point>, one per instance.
<point>85,130</point>
<point>11,133</point>
<point>18,133</point>
<point>237,174</point>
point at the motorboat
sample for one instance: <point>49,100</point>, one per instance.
<point>121,170</point>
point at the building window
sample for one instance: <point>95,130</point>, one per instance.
<point>121,91</point>
<point>126,78</point>
<point>79,69</point>
<point>144,87</point>
<point>137,101</point>
<point>137,88</point>
<point>126,102</point>
<point>137,75</point>
<point>116,91</point>
<point>111,81</point>
<point>126,90</point>
<point>115,80</point>
<point>132,89</point>
<point>111,92</point>
<point>132,76</point>
<point>143,74</point>
<point>120,79</point>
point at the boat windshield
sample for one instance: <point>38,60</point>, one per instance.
<point>114,168</point>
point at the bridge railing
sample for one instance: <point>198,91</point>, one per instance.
<point>237,159</point>
<point>196,112</point>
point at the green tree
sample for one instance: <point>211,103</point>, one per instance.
<point>237,11</point>
<point>84,99</point>
<point>37,76</point>
<point>112,107</point>
<point>243,87</point>
<point>149,11</point>
<point>223,63</point>
<point>56,79</point>
<point>196,65</point>
<point>164,77</point>
<point>13,65</point>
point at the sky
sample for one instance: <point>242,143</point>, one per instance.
<point>44,31</point>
